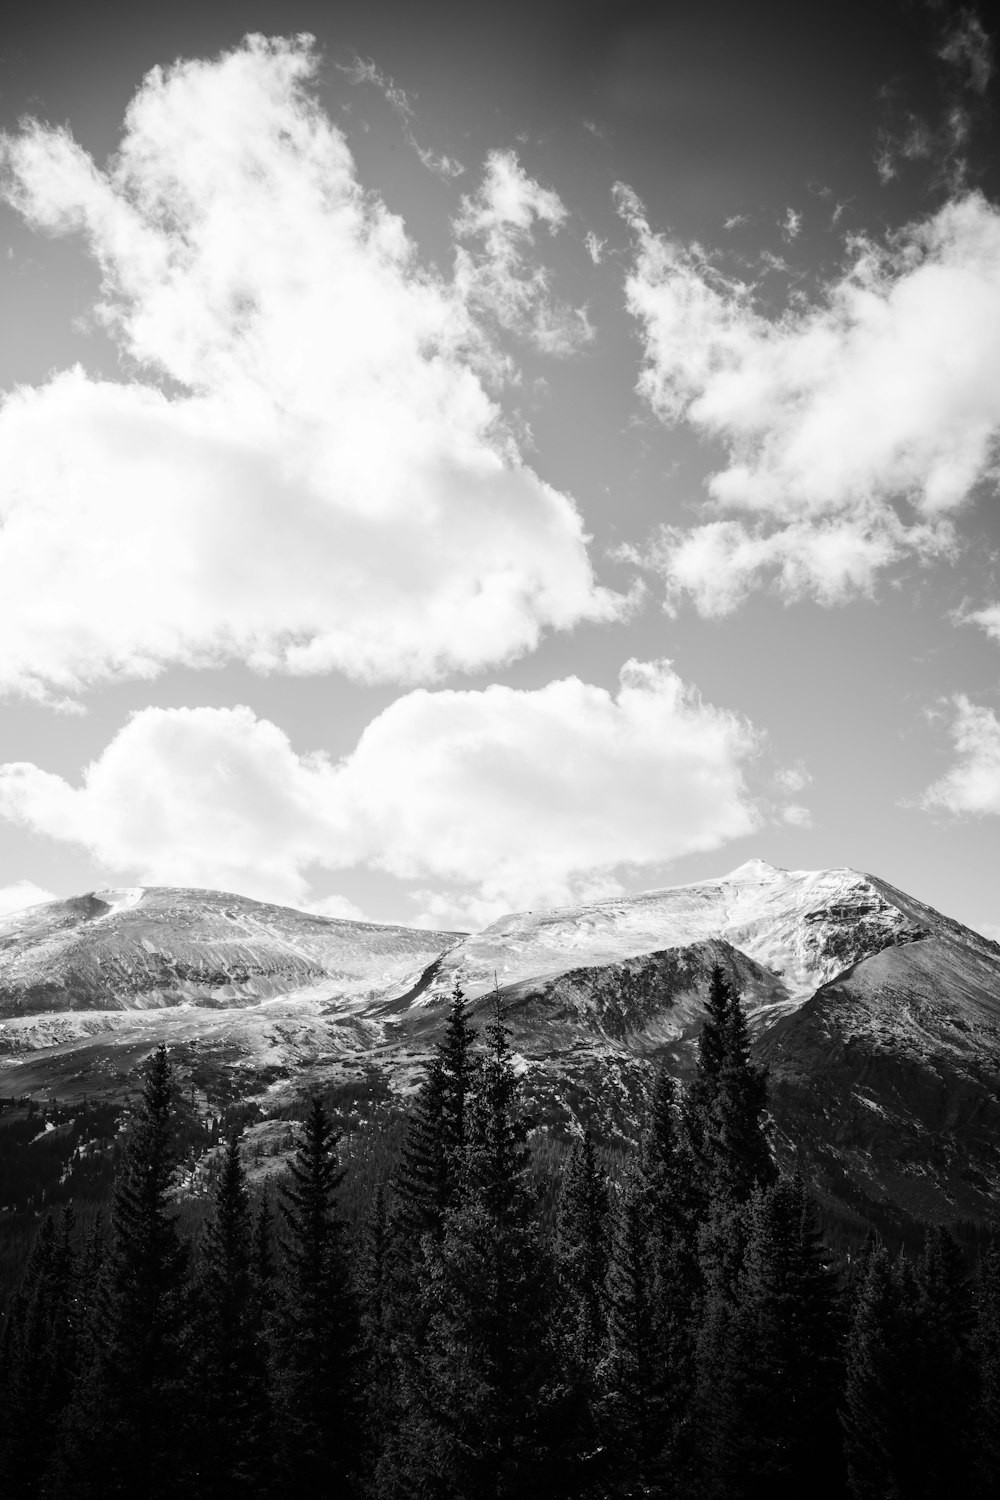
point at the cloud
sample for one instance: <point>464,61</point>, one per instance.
<point>987,618</point>
<point>513,797</point>
<point>944,138</point>
<point>307,472</point>
<point>973,783</point>
<point>21,894</point>
<point>968,49</point>
<point>595,246</point>
<point>339,907</point>
<point>500,277</point>
<point>791,224</point>
<point>365,71</point>
<point>854,428</point>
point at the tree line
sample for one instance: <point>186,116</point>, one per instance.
<point>679,1333</point>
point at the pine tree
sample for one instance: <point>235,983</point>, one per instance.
<point>318,1336</point>
<point>121,1434</point>
<point>674,1207</point>
<point>777,1433</point>
<point>635,1380</point>
<point>987,1340</point>
<point>433,1151</point>
<point>581,1250</point>
<point>230,1412</point>
<point>725,1113</point>
<point>374,1279</point>
<point>946,1375</point>
<point>424,1182</point>
<point>42,1350</point>
<point>476,1397</point>
<point>878,1414</point>
<point>581,1262</point>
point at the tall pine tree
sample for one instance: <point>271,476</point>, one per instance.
<point>318,1341</point>
<point>477,1404</point>
<point>230,1418</point>
<point>121,1436</point>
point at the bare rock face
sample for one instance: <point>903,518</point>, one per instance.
<point>878,1017</point>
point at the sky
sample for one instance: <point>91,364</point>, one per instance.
<point>459,461</point>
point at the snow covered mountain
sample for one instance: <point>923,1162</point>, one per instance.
<point>878,1016</point>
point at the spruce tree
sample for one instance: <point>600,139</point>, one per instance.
<point>42,1346</point>
<point>434,1147</point>
<point>725,1112</point>
<point>674,1207</point>
<point>880,1384</point>
<point>635,1380</point>
<point>581,1262</point>
<point>946,1376</point>
<point>581,1250</point>
<point>318,1335</point>
<point>374,1280</point>
<point>476,1397</point>
<point>120,1439</point>
<point>776,1429</point>
<point>987,1343</point>
<point>230,1412</point>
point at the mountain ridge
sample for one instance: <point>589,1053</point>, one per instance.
<point>877,1016</point>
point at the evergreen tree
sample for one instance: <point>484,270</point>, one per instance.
<point>374,1268</point>
<point>433,1151</point>
<point>477,1397</point>
<point>318,1335</point>
<point>673,1208</point>
<point>581,1263</point>
<point>230,1412</point>
<point>725,1113</point>
<point>946,1376</point>
<point>635,1379</point>
<point>987,1340</point>
<point>880,1389</point>
<point>264,1275</point>
<point>121,1439</point>
<point>581,1250</point>
<point>424,1182</point>
<point>40,1367</point>
<point>776,1432</point>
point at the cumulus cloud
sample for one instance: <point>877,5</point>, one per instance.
<point>20,894</point>
<point>310,473</point>
<point>987,618</point>
<point>513,797</point>
<point>500,275</point>
<point>973,783</point>
<point>853,427</point>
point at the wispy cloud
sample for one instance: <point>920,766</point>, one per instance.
<point>310,473</point>
<point>516,797</point>
<point>500,274</point>
<point>943,138</point>
<point>361,70</point>
<point>854,425</point>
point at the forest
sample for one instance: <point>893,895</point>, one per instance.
<point>675,1328</point>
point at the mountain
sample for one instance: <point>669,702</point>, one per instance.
<point>878,1017</point>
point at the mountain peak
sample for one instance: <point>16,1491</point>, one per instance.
<point>755,869</point>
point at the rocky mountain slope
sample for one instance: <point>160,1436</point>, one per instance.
<point>878,1017</point>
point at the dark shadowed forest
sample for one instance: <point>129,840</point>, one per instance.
<point>671,1326</point>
